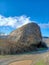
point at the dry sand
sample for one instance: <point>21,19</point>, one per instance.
<point>23,62</point>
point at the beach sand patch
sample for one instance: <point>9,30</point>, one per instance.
<point>23,62</point>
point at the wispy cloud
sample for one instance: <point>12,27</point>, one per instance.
<point>14,22</point>
<point>44,25</point>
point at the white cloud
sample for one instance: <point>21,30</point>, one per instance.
<point>44,25</point>
<point>19,21</point>
<point>14,22</point>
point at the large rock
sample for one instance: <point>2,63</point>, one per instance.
<point>26,38</point>
<point>26,35</point>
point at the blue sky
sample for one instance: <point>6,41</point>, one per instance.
<point>12,12</point>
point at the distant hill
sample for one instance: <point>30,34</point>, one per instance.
<point>45,37</point>
<point>46,40</point>
<point>3,36</point>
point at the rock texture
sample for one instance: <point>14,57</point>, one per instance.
<point>26,35</point>
<point>26,38</point>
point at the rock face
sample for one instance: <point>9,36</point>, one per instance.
<point>26,35</point>
<point>26,38</point>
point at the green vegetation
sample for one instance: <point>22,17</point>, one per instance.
<point>41,62</point>
<point>42,49</point>
<point>4,56</point>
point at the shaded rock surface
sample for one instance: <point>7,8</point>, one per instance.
<point>24,39</point>
<point>27,34</point>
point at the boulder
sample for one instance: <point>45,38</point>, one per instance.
<point>24,39</point>
<point>26,35</point>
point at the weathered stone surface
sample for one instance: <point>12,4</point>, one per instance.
<point>26,35</point>
<point>26,38</point>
